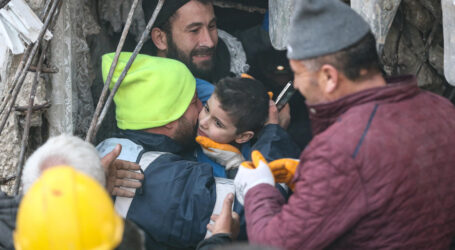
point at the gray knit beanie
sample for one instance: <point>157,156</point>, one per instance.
<point>322,27</point>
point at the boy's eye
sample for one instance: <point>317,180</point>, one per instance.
<point>218,124</point>
<point>194,30</point>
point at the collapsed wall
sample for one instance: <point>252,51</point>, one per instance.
<point>63,102</point>
<point>415,44</point>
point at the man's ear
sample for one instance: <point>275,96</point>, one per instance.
<point>244,137</point>
<point>159,38</point>
<point>329,77</point>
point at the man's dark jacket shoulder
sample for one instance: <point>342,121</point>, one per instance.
<point>178,195</point>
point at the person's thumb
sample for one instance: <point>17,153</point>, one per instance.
<point>226,211</point>
<point>111,156</point>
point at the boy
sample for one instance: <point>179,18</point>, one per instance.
<point>236,111</point>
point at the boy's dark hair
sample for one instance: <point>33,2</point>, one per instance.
<point>350,61</point>
<point>245,100</point>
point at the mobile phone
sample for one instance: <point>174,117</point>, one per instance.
<point>285,95</point>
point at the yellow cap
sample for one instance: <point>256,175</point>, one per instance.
<point>66,209</point>
<point>155,92</point>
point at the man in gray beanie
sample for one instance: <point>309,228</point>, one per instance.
<point>379,171</point>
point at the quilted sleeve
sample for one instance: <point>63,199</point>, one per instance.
<point>329,198</point>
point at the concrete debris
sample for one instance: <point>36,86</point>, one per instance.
<point>448,10</point>
<point>427,76</point>
<point>436,58</point>
<point>434,7</point>
<point>20,26</point>
<point>279,22</point>
<point>414,44</point>
<point>238,56</point>
<point>40,98</point>
<point>115,12</point>
<point>416,14</point>
<point>379,14</point>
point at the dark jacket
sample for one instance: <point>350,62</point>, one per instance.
<point>178,194</point>
<point>214,241</point>
<point>8,213</point>
<point>379,174</point>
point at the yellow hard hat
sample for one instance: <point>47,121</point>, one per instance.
<point>66,209</point>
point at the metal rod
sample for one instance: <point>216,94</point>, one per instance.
<point>35,107</point>
<point>5,180</point>
<point>44,70</point>
<point>91,131</point>
<point>27,65</point>
<point>144,36</point>
<point>20,163</point>
<point>45,9</point>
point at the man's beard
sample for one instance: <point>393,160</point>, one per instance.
<point>185,134</point>
<point>203,72</point>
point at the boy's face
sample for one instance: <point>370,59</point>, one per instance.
<point>215,123</point>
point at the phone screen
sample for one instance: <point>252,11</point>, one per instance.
<point>285,95</point>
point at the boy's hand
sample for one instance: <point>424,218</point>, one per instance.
<point>285,116</point>
<point>224,154</point>
<point>282,118</point>
<point>251,174</point>
<point>283,170</point>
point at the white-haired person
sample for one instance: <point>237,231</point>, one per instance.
<point>73,151</point>
<point>63,150</point>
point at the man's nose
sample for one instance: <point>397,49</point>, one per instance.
<point>206,39</point>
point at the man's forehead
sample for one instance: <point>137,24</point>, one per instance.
<point>217,111</point>
<point>193,12</point>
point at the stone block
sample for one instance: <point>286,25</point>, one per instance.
<point>408,62</point>
<point>427,76</point>
<point>436,58</point>
<point>434,6</point>
<point>418,16</point>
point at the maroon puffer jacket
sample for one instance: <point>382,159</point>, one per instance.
<point>379,174</point>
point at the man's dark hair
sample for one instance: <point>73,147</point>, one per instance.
<point>350,61</point>
<point>245,100</point>
<point>167,13</point>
